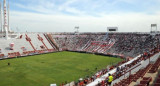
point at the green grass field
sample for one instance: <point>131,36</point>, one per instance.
<point>46,69</point>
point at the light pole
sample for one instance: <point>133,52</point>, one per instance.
<point>77,29</point>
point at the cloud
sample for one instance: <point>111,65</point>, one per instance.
<point>88,7</point>
<point>33,22</point>
<point>41,7</point>
<point>49,7</point>
<point>89,15</point>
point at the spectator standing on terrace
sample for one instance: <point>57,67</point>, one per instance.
<point>110,79</point>
<point>118,69</point>
<point>117,72</point>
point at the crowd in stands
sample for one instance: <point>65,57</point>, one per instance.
<point>122,44</point>
<point>126,44</point>
<point>136,43</point>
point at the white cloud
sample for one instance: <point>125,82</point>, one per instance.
<point>127,22</point>
<point>37,8</point>
<point>90,16</point>
<point>89,7</point>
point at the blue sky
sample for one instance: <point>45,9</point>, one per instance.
<point>85,7</point>
<point>63,15</point>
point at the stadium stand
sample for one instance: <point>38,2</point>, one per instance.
<point>46,41</point>
<point>126,44</point>
<point>35,41</point>
<point>17,47</point>
<point>1,56</point>
<point>157,81</point>
<point>155,66</point>
<point>51,41</point>
<point>137,68</point>
<point>138,50</point>
<point>26,44</point>
<point>15,54</point>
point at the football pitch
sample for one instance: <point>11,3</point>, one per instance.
<point>46,69</point>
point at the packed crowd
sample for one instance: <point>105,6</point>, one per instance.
<point>127,44</point>
<point>135,44</point>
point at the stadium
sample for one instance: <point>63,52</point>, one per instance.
<point>78,58</point>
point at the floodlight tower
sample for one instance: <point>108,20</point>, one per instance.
<point>8,18</point>
<point>77,29</point>
<point>5,25</point>
<point>1,19</point>
<point>153,29</point>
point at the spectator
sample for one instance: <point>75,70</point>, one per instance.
<point>110,79</point>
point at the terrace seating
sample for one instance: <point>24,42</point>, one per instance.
<point>28,52</point>
<point>15,54</point>
<point>28,39</point>
<point>51,50</point>
<point>127,44</point>
<point>145,81</point>
<point>155,66</point>
<point>42,40</point>
<point>134,77</point>
<point>142,85</point>
<point>157,82</point>
<point>41,51</point>
<point>147,78</point>
<point>37,52</point>
<point>51,41</point>
<point>47,41</point>
<point>1,55</point>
